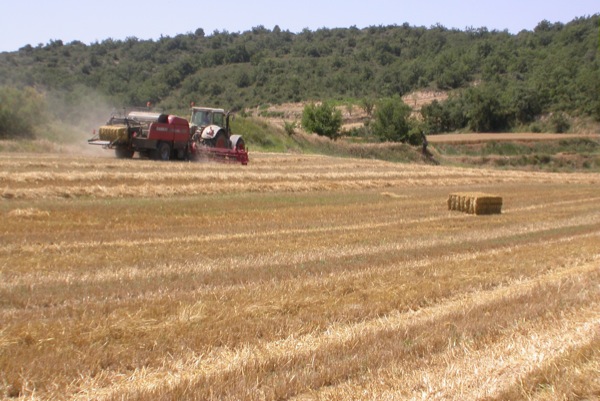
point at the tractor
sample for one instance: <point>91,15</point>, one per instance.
<point>210,128</point>
<point>163,137</point>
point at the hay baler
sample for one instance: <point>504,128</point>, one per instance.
<point>163,137</point>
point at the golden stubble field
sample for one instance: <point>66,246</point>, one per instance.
<point>295,277</point>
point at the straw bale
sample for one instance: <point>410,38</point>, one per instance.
<point>475,203</point>
<point>113,133</point>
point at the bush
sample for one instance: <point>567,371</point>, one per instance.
<point>485,109</point>
<point>535,128</point>
<point>21,112</point>
<point>391,120</point>
<point>560,123</point>
<point>290,127</point>
<point>325,120</point>
<point>446,116</point>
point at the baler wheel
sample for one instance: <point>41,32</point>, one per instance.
<point>163,152</point>
<point>123,153</point>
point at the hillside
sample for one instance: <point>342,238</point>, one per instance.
<point>515,79</point>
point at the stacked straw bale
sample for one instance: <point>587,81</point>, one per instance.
<point>113,133</point>
<point>475,203</point>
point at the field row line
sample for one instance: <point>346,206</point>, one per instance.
<point>137,169</point>
<point>192,239</point>
<point>548,204</point>
<point>297,257</point>
<point>227,176</point>
<point>134,190</point>
<point>354,276</point>
<point>397,268</point>
<point>76,245</point>
<point>294,354</point>
<point>466,373</point>
<point>160,189</point>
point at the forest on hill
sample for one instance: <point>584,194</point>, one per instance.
<point>496,80</point>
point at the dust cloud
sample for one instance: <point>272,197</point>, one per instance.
<point>74,116</point>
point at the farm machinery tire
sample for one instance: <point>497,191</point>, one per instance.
<point>123,153</point>
<point>220,141</point>
<point>163,152</point>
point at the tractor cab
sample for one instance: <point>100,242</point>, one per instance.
<point>203,117</point>
<point>210,127</point>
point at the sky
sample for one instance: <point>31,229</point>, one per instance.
<point>35,22</point>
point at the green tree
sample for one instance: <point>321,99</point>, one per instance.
<point>368,105</point>
<point>486,110</point>
<point>21,112</point>
<point>527,105</point>
<point>551,69</point>
<point>446,116</point>
<point>322,119</point>
<point>392,120</point>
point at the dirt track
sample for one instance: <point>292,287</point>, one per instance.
<point>528,136</point>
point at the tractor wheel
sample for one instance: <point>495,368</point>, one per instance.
<point>123,153</point>
<point>237,142</point>
<point>163,151</point>
<point>220,141</point>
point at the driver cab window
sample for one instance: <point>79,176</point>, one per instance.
<point>202,118</point>
<point>218,119</point>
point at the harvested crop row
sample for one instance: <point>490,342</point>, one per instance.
<point>314,361</point>
<point>545,359</point>
<point>280,308</point>
<point>306,250</point>
<point>63,179</point>
<point>302,276</point>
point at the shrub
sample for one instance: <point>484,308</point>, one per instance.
<point>560,123</point>
<point>290,127</point>
<point>21,112</point>
<point>446,116</point>
<point>486,111</point>
<point>391,120</point>
<point>324,119</point>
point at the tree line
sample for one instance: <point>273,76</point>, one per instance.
<point>496,80</point>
